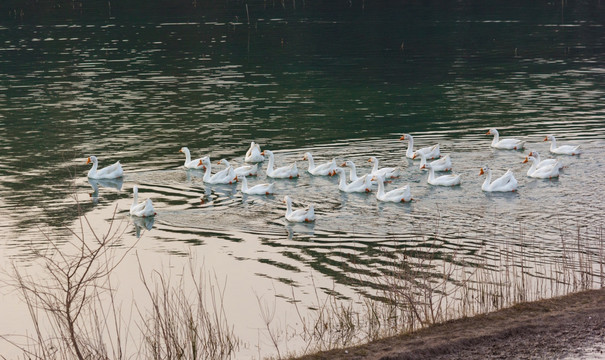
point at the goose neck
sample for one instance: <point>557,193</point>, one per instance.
<point>496,137</point>
<point>410,151</point>
<point>380,192</point>
<point>488,179</point>
<point>95,166</point>
<point>342,181</point>
<point>375,167</point>
<point>187,155</point>
<point>208,171</point>
<point>135,197</point>
<point>244,184</point>
<point>271,161</point>
<point>431,174</point>
<point>311,161</point>
<point>353,175</point>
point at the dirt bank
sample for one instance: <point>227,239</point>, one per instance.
<point>570,326</point>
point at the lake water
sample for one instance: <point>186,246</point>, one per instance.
<point>340,85</point>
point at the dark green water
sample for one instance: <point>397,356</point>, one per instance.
<point>336,81</point>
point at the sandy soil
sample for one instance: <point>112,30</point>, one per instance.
<point>572,326</point>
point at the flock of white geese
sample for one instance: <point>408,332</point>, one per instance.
<point>544,169</point>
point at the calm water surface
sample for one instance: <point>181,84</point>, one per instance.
<point>343,87</point>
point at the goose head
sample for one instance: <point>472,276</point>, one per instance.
<point>492,131</point>
<point>91,159</point>
<point>405,137</point>
<point>528,159</point>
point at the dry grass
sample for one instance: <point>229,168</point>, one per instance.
<point>74,313</point>
<point>418,291</point>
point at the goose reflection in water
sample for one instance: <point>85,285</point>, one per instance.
<point>142,223</point>
<point>107,183</point>
<point>304,228</point>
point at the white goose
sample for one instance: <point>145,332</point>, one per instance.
<point>362,184</point>
<point>444,180</point>
<point>191,164</point>
<point>284,172</point>
<point>254,155</point>
<point>443,164</point>
<point>300,215</point>
<point>111,172</point>
<point>353,174</point>
<point>402,194</point>
<point>246,170</point>
<point>225,176</point>
<point>545,162</point>
<point>505,144</point>
<point>504,183</point>
<point>258,189</point>
<point>431,152</point>
<point>544,172</point>
<point>320,170</point>
<point>387,172</point>
<point>563,149</point>
<point>144,209</point>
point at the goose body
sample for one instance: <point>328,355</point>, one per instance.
<point>258,189</point>
<point>225,176</point>
<point>443,164</point>
<point>111,172</point>
<point>284,172</point>
<point>300,215</point>
<point>545,162</point>
<point>191,164</point>
<point>544,172</point>
<point>563,149</point>
<point>444,180</point>
<point>254,155</point>
<point>362,184</point>
<point>387,172</point>
<point>431,152</point>
<point>246,170</point>
<point>144,209</point>
<point>505,183</point>
<point>320,170</point>
<point>402,194</point>
<point>505,144</point>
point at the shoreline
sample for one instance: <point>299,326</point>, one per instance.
<point>568,326</point>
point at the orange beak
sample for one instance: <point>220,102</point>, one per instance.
<point>343,164</point>
<point>369,160</point>
<point>546,139</point>
<point>488,132</point>
<point>87,161</point>
<point>402,137</point>
<point>200,163</point>
<point>218,162</point>
<point>526,160</point>
<point>423,167</point>
<point>180,150</point>
<point>263,153</point>
<point>481,172</point>
<point>531,153</point>
<point>413,157</point>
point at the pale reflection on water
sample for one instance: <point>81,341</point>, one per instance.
<point>139,92</point>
